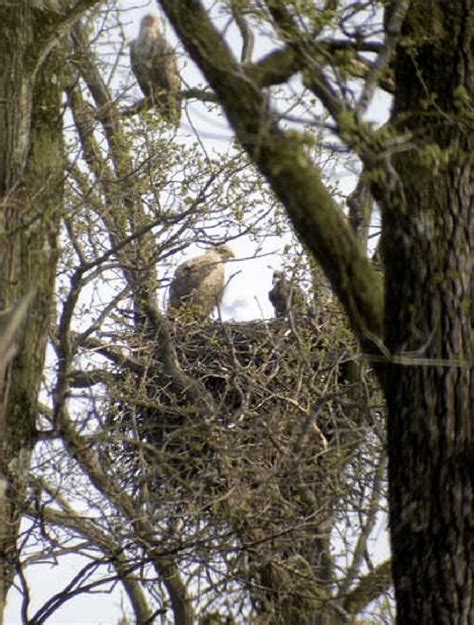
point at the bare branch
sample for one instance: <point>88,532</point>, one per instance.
<point>373,508</point>
<point>248,37</point>
<point>396,13</point>
<point>113,551</point>
<point>88,460</point>
<point>282,160</point>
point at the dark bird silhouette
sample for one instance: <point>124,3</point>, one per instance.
<point>198,284</point>
<point>155,66</point>
<point>287,297</point>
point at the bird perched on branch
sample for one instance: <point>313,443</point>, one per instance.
<point>155,66</point>
<point>198,284</point>
<point>287,297</point>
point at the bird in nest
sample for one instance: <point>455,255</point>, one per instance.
<point>287,297</point>
<point>198,284</point>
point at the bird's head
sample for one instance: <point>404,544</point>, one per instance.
<point>149,23</point>
<point>277,276</point>
<point>225,252</point>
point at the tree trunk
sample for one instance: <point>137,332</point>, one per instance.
<point>31,188</point>
<point>427,243</point>
<point>428,238</point>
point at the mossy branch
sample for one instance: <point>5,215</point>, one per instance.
<point>281,158</point>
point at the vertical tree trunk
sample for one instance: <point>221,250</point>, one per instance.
<point>31,188</point>
<point>428,235</point>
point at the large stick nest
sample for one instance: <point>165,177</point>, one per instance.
<point>265,463</point>
<point>280,388</point>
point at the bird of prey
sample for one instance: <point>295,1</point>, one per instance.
<point>155,66</point>
<point>286,297</point>
<point>198,284</point>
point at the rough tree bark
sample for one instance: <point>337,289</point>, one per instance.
<point>427,200</point>
<point>31,183</point>
<point>428,241</point>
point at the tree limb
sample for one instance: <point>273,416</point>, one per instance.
<point>282,160</point>
<point>369,588</point>
<point>88,459</point>
<point>398,10</point>
<point>88,529</point>
<point>246,33</point>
